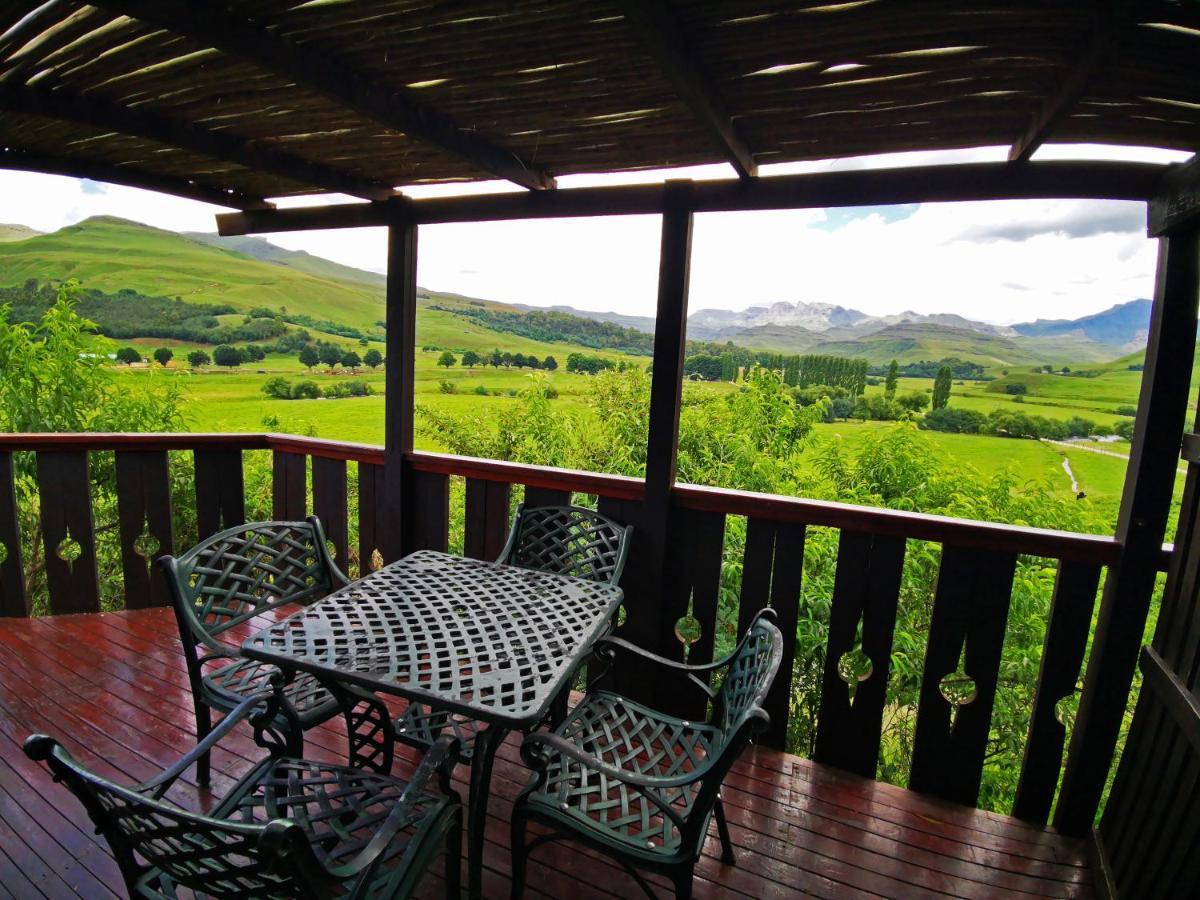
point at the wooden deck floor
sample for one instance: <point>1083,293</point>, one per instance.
<point>114,689</point>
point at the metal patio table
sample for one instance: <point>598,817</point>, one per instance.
<point>492,642</point>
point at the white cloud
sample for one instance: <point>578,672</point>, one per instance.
<point>1001,261</point>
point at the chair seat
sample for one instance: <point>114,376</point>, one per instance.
<point>340,808</point>
<point>419,726</point>
<point>639,740</point>
<point>230,685</point>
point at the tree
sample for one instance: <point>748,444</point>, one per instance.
<point>447,359</point>
<point>351,360</point>
<point>277,388</point>
<point>309,356</point>
<point>497,358</point>
<point>225,355</point>
<point>841,408</point>
<point>306,390</point>
<point>941,388</point>
<point>129,355</point>
<point>550,363</point>
<point>506,360</point>
<point>198,358</point>
<point>330,354</point>
<point>470,359</point>
<point>893,377</point>
<point>163,355</point>
<point>913,401</point>
<point>255,353</point>
<point>373,358</point>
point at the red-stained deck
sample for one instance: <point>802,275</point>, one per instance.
<point>113,687</point>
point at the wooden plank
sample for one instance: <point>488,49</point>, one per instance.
<point>785,601</point>
<point>427,525</point>
<point>1067,632</point>
<point>144,508</point>
<point>220,491</point>
<point>970,613</point>
<point>1176,203</point>
<point>65,498</point>
<point>657,27</point>
<point>866,591</point>
<point>371,520</point>
<point>486,518</point>
<point>651,612</point>
<point>337,78</point>
<point>401,300</point>
<point>13,599</point>
<point>329,504</point>
<point>146,122</point>
<point>289,486</point>
<point>918,184</point>
<point>621,487</point>
<point>1141,524</point>
<point>757,561</point>
<point>1177,698</point>
<point>538,496</point>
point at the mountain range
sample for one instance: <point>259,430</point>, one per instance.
<point>109,253</point>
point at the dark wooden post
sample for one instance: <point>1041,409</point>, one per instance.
<point>1145,505</point>
<point>398,384</point>
<point>653,610</point>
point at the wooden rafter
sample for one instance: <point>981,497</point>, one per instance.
<point>76,167</point>
<point>657,27</point>
<point>216,25</point>
<point>145,123</point>
<point>1057,104</point>
<point>1176,204</point>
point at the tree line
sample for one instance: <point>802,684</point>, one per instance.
<point>497,358</point>
<point>551,327</point>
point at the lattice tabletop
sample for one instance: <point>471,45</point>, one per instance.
<point>490,641</point>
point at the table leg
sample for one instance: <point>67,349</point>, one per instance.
<point>486,744</point>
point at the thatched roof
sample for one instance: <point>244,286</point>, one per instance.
<point>240,100</point>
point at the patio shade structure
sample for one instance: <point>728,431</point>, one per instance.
<point>236,103</point>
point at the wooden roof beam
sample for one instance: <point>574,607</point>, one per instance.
<point>130,176</point>
<point>658,28</point>
<point>1057,105</point>
<point>219,26</point>
<point>1176,204</point>
<point>223,145</point>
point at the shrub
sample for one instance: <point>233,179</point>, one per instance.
<point>277,388</point>
<point>373,358</point>
<point>447,387</point>
<point>306,390</point>
<point>1017,388</point>
<point>225,355</point>
<point>480,390</point>
<point>1130,411</point>
<point>913,401</point>
<point>198,358</point>
<point>361,389</point>
<point>1124,429</point>
<point>955,421</point>
<point>163,355</point>
<point>129,355</point>
<point>255,353</point>
<point>336,391</point>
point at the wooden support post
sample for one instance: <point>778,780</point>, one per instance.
<point>652,610</point>
<point>398,386</point>
<point>1145,505</point>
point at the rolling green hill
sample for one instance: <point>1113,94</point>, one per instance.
<point>16,233</point>
<point>109,254</point>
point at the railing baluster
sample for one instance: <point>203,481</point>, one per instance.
<point>786,577</point>
<point>694,574</point>
<point>1062,658</point>
<point>220,491</point>
<point>144,507</point>
<point>289,486</point>
<point>329,504</point>
<point>486,518</point>
<point>970,613</point>
<point>370,516</point>
<point>428,517</point>
<point>756,570</point>
<point>13,600</point>
<point>68,535</point>
<point>538,496</point>
<point>865,592</point>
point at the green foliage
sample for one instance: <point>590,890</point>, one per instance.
<point>198,359</point>
<point>447,359</point>
<point>330,354</point>
<point>277,388</point>
<point>1017,388</point>
<point>955,421</point>
<point>550,363</point>
<point>552,327</point>
<point>351,360</point>
<point>941,387</point>
<point>306,390</point>
<point>913,401</point>
<point>373,358</point>
<point>471,359</point>
<point>878,408</point>
<point>163,355</point>
<point>309,356</point>
<point>129,355</point>
<point>255,353</point>
<point>582,364</point>
<point>889,384</point>
<point>225,355</point>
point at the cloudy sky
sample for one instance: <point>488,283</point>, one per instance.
<point>1000,262</point>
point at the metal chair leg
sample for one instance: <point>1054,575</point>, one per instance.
<point>454,859</point>
<point>203,727</point>
<point>727,855</point>
<point>683,885</point>
<point>519,856</point>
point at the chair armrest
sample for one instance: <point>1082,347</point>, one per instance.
<point>161,783</point>
<point>439,760</point>
<point>572,751</point>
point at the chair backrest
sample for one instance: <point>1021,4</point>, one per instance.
<point>568,540</point>
<point>212,856</point>
<point>750,675</point>
<point>243,571</point>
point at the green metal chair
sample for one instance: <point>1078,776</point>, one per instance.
<point>229,579</point>
<point>637,784</point>
<point>289,828</point>
<point>565,540</point>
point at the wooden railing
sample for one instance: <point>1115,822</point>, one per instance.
<point>970,606</point>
